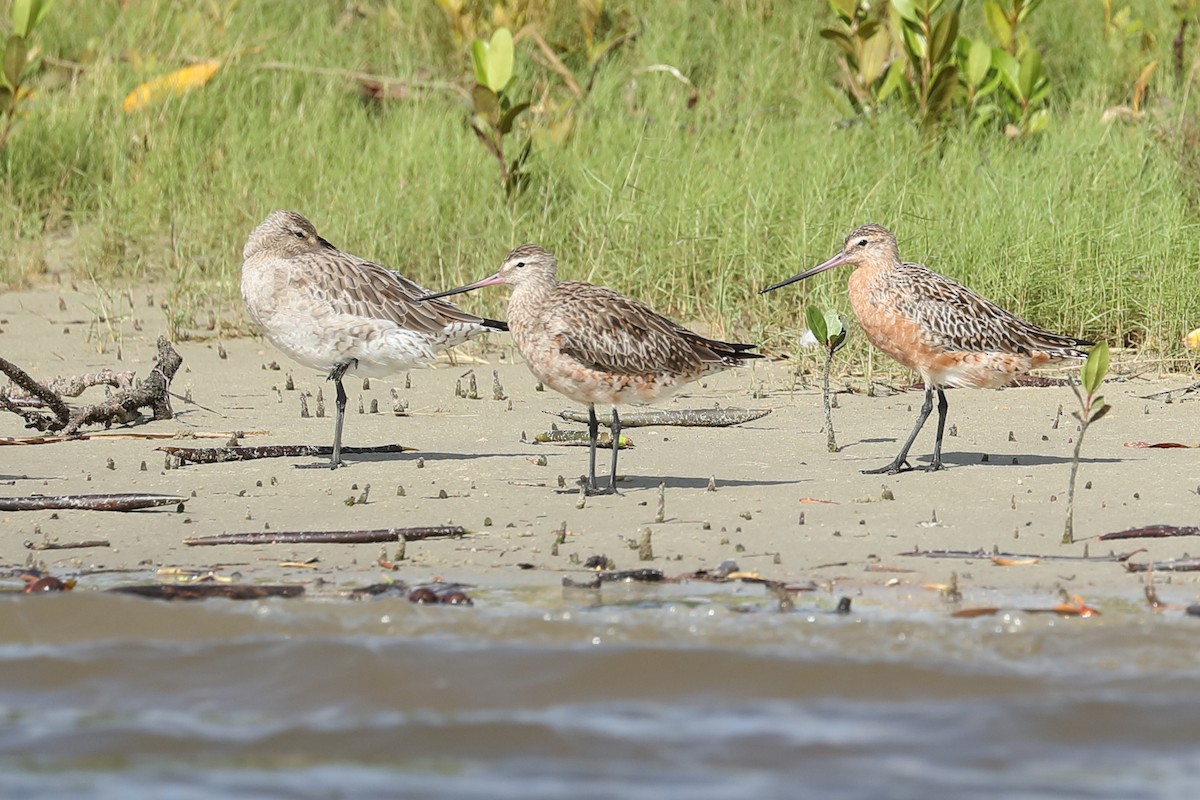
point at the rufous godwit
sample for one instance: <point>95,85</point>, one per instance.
<point>338,313</point>
<point>944,331</point>
<point>597,346</point>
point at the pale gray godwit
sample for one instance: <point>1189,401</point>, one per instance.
<point>338,313</point>
<point>944,331</point>
<point>594,345</point>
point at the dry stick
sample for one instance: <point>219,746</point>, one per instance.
<point>1176,565</point>
<point>688,417</point>
<point>331,537</point>
<point>217,455</point>
<point>127,434</point>
<point>1152,532</point>
<point>67,545</point>
<point>997,554</point>
<point>89,502</point>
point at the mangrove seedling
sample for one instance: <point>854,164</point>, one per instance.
<point>1091,408</point>
<point>26,15</point>
<point>495,110</point>
<point>830,332</point>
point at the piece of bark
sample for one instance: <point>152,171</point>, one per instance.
<point>687,417</point>
<point>331,537</point>
<point>217,455</point>
<point>202,591</point>
<point>89,502</point>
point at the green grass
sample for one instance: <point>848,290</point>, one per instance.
<point>1092,229</point>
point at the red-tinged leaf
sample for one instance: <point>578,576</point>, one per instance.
<point>1160,444</point>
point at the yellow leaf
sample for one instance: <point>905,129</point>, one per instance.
<point>1014,562</point>
<point>1192,340</point>
<point>173,83</point>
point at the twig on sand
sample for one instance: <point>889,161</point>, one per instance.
<point>995,553</point>
<point>1152,532</point>
<point>331,537</point>
<point>67,545</point>
<point>1175,565</point>
<point>89,502</point>
<point>687,417</point>
<point>217,455</point>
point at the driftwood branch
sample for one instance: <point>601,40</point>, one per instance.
<point>1152,532</point>
<point>331,537</point>
<point>34,389</point>
<point>29,545</point>
<point>123,406</point>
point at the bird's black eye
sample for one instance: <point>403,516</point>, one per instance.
<point>520,264</point>
<point>298,233</point>
<point>862,242</point>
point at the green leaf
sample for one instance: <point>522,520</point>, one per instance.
<point>816,323</point>
<point>15,53</point>
<point>1097,413</point>
<point>479,50</point>
<point>893,81</point>
<point>499,60</point>
<point>839,38</point>
<point>941,91</point>
<point>1095,368</point>
<point>24,12</point>
<point>487,104</point>
<point>867,28</point>
<point>844,8</point>
<point>833,324</point>
<point>1009,69</point>
<point>875,52</point>
<point>510,116</point>
<point>906,9</point>
<point>41,8</point>
<point>941,42</point>
<point>997,23</point>
<point>979,61</point>
<point>6,99</point>
<point>1038,120</point>
<point>1030,73</point>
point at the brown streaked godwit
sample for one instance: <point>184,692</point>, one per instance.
<point>594,345</point>
<point>338,313</point>
<point>944,331</point>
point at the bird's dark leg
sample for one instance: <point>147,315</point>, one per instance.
<point>936,464</point>
<point>593,435</point>
<point>336,374</point>
<point>901,463</point>
<point>616,438</point>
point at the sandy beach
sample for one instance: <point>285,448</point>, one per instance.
<point>783,506</point>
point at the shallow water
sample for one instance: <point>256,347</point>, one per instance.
<point>655,692</point>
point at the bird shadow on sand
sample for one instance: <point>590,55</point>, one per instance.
<point>970,459</point>
<point>408,457</point>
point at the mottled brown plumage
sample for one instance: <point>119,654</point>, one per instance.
<point>941,329</point>
<point>339,313</point>
<point>595,345</point>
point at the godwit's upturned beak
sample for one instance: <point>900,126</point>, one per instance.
<point>836,261</point>
<point>491,280</point>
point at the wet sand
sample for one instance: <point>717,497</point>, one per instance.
<point>784,507</point>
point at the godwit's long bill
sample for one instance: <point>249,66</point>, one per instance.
<point>944,331</point>
<point>339,313</point>
<point>594,345</point>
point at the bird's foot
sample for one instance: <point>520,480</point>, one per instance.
<point>936,466</point>
<point>591,489</point>
<point>894,468</point>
